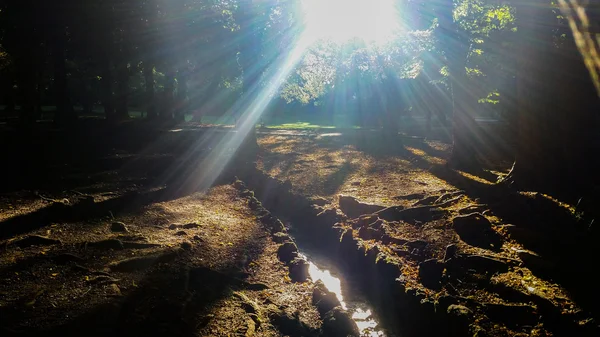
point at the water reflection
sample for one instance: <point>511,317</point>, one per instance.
<point>362,316</point>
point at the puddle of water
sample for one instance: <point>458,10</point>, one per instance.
<point>361,315</point>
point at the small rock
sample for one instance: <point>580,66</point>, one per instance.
<point>173,226</point>
<point>443,302</point>
<point>186,245</point>
<point>106,244</point>
<point>476,230</point>
<point>354,208</point>
<point>324,299</point>
<point>239,184</point>
<point>197,238</point>
<point>450,253</point>
<point>355,183</point>
<point>118,227</point>
<point>191,225</point>
<point>459,311</point>
<point>277,226</point>
<point>460,319</point>
<point>287,252</point>
<point>299,270</point>
<point>181,233</point>
<point>288,324</point>
<point>367,233</point>
<point>430,273</point>
<point>478,331</point>
<point>35,240</point>
<point>247,194</point>
<point>255,204</point>
<point>281,237</point>
<point>339,323</point>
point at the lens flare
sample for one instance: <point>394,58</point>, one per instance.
<point>373,21</point>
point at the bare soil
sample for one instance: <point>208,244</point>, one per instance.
<point>191,263</point>
<point>528,280</point>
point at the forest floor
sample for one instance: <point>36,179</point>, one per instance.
<point>100,250</point>
<point>517,262</point>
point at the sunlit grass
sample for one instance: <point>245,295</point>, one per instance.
<point>299,126</point>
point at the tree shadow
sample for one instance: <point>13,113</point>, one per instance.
<point>336,179</point>
<point>544,225</point>
<point>174,298</point>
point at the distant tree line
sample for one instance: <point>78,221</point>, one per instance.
<point>535,62</point>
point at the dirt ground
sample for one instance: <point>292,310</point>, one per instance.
<point>121,254</point>
<point>112,251</point>
<point>512,281</point>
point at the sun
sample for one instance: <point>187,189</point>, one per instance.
<point>373,21</point>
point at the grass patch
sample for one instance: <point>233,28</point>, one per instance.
<point>299,126</point>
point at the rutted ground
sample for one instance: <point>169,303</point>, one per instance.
<point>462,248</point>
<point>445,250</point>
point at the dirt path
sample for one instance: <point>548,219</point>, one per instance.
<point>200,265</point>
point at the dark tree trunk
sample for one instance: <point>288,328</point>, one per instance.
<point>166,111</point>
<point>65,114</point>
<point>556,106</point>
<point>211,101</point>
<point>182,92</point>
<point>87,100</point>
<point>28,87</point>
<point>121,99</point>
<point>8,92</point>
<point>107,89</point>
<point>149,79</point>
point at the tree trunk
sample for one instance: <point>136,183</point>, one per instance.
<point>166,111</point>
<point>149,78</point>
<point>556,106</point>
<point>181,100</point>
<point>107,89</point>
<point>8,92</point>
<point>28,86</point>
<point>65,114</point>
<point>121,100</point>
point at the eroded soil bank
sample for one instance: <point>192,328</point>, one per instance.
<point>458,257</point>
